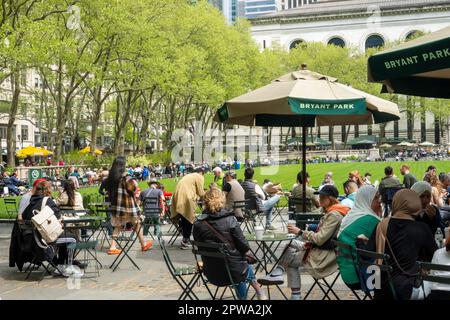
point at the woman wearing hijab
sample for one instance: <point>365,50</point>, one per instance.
<point>361,220</point>
<point>429,214</point>
<point>406,241</point>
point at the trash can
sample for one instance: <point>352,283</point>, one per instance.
<point>237,165</point>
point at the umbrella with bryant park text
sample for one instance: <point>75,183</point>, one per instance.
<point>306,99</point>
<point>420,67</point>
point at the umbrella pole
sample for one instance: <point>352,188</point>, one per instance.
<point>304,168</point>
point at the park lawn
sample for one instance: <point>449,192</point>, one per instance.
<point>287,174</point>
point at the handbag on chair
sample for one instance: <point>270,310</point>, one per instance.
<point>46,223</point>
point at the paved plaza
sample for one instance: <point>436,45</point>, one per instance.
<point>152,282</point>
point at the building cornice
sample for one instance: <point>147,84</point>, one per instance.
<point>349,14</point>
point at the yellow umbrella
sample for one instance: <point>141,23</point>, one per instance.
<point>32,151</point>
<point>88,149</point>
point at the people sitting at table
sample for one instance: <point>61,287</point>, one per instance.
<point>406,241</point>
<point>362,219</point>
<point>440,291</point>
<point>312,202</point>
<point>123,195</point>
<point>257,199</point>
<point>429,213</point>
<point>43,191</point>
<point>233,192</point>
<point>218,225</point>
<point>154,219</point>
<point>350,189</point>
<point>314,250</point>
<point>69,197</point>
<point>25,200</point>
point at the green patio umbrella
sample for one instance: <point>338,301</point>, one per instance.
<point>420,67</point>
<point>306,99</point>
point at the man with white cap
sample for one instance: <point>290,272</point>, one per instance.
<point>218,177</point>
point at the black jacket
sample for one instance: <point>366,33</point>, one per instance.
<point>254,201</point>
<point>36,204</point>
<point>226,224</point>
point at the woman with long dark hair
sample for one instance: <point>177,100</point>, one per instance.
<point>123,194</point>
<point>69,197</point>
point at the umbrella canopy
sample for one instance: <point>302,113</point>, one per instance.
<point>305,98</point>
<point>308,99</point>
<point>426,144</point>
<point>31,151</point>
<point>386,146</point>
<point>406,144</point>
<point>88,149</point>
<point>420,67</point>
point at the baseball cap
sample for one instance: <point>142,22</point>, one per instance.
<point>37,181</point>
<point>329,190</point>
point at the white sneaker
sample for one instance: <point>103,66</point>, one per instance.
<point>295,296</point>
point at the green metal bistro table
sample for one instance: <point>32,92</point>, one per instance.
<point>266,252</point>
<point>83,223</point>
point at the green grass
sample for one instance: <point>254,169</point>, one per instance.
<point>287,174</point>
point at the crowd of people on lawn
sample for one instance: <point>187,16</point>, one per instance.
<point>405,229</point>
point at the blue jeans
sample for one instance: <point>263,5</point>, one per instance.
<point>242,288</point>
<point>268,208</point>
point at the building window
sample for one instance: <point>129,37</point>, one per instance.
<point>336,41</point>
<point>24,133</point>
<point>264,44</point>
<point>374,41</point>
<point>3,131</point>
<point>413,34</point>
<point>295,44</point>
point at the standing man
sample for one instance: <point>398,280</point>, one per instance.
<point>184,203</point>
<point>408,179</point>
<point>218,177</point>
<point>233,192</point>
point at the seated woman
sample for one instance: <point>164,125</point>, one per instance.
<point>361,220</point>
<point>44,190</point>
<point>69,197</point>
<point>220,226</point>
<point>315,251</point>
<point>312,203</point>
<point>406,241</point>
<point>440,291</point>
<point>429,214</point>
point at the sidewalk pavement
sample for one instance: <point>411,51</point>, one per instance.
<point>126,283</point>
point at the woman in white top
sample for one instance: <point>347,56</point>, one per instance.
<point>440,291</point>
<point>69,198</point>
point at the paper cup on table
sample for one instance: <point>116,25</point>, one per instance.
<point>259,232</point>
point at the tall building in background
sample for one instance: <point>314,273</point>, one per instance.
<point>231,9</point>
<point>256,8</point>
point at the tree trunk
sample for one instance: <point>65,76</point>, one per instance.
<point>410,118</point>
<point>10,134</point>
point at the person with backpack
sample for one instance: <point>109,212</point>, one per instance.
<point>314,250</point>
<point>153,191</point>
